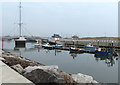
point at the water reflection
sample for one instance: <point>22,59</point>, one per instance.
<point>109,60</point>
<point>21,50</point>
<point>74,55</point>
<point>56,51</point>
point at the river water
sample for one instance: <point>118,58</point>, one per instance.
<point>102,70</point>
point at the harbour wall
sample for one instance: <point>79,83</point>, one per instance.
<point>100,43</point>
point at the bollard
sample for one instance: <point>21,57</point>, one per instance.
<point>2,44</point>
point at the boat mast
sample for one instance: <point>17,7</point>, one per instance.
<point>20,23</point>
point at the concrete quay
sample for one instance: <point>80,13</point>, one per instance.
<point>8,75</point>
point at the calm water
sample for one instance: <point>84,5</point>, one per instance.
<point>105,71</point>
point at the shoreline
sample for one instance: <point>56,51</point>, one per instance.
<point>39,73</point>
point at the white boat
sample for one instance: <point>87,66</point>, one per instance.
<point>77,50</point>
<point>47,46</point>
<point>38,45</point>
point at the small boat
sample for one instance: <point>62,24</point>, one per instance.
<point>38,45</point>
<point>47,46</point>
<point>105,52</point>
<point>76,50</point>
<point>90,47</point>
<point>58,46</point>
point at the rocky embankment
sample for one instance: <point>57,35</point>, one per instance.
<point>39,73</point>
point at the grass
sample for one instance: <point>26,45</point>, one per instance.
<point>101,38</point>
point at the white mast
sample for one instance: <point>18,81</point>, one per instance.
<point>20,23</point>
<point>21,42</point>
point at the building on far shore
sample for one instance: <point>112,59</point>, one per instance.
<point>75,37</point>
<point>56,36</point>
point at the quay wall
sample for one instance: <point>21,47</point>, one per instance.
<point>100,43</point>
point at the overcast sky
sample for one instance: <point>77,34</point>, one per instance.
<point>85,19</point>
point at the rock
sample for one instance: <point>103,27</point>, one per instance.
<point>2,59</point>
<point>81,78</point>
<point>68,79</point>
<point>40,76</point>
<point>18,68</point>
<point>50,73</point>
<point>15,60</point>
<point>52,70</point>
<point>45,68</point>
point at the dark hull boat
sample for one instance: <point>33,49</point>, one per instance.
<point>101,52</point>
<point>47,46</point>
<point>76,50</point>
<point>106,53</point>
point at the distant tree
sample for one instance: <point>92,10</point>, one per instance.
<point>56,36</point>
<point>75,37</point>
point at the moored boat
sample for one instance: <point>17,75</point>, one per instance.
<point>76,50</point>
<point>90,47</point>
<point>106,52</point>
<point>38,45</point>
<point>58,46</point>
<point>47,46</point>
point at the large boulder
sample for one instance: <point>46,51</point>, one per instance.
<point>40,76</point>
<point>81,78</point>
<point>47,74</point>
<point>50,74</point>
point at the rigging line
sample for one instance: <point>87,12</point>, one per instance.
<point>12,30</point>
<point>27,30</point>
<point>24,31</point>
<point>16,32</point>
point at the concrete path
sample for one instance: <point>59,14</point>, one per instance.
<point>8,75</point>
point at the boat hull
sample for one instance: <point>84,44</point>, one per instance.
<point>106,53</point>
<point>101,52</point>
<point>76,51</point>
<point>47,47</point>
<point>58,46</point>
<point>87,48</point>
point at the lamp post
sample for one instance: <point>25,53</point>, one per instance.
<point>98,43</point>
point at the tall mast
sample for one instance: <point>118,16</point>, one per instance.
<point>20,23</point>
